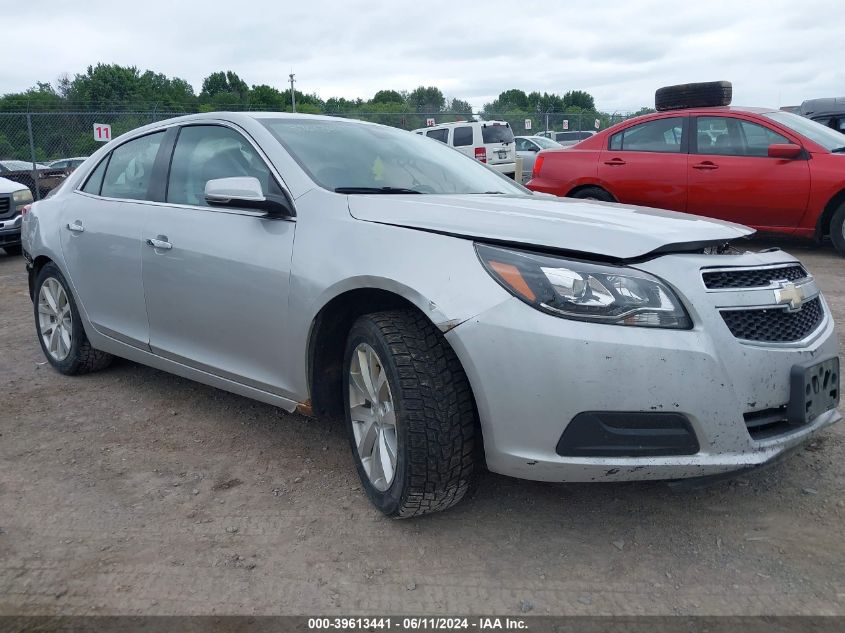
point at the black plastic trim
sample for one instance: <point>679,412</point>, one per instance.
<point>628,434</point>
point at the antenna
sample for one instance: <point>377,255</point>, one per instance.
<point>292,93</point>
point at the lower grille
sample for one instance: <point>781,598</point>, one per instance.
<point>774,325</point>
<point>769,423</point>
<point>6,208</point>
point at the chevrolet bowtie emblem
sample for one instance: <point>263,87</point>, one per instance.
<point>790,294</point>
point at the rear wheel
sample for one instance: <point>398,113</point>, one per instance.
<point>837,230</point>
<point>409,414</point>
<point>13,250</point>
<point>593,193</point>
<point>59,327</point>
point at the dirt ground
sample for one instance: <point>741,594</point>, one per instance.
<point>132,491</point>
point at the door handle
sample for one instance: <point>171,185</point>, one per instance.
<point>706,165</point>
<point>615,161</point>
<point>76,227</point>
<point>159,242</point>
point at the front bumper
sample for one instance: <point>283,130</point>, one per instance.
<point>533,373</point>
<point>10,231</point>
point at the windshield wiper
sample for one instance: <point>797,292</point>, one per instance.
<point>374,190</point>
<point>838,150</point>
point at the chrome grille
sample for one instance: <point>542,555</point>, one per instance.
<point>752,278</point>
<point>775,325</point>
<point>6,208</point>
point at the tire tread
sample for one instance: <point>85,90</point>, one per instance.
<point>438,408</point>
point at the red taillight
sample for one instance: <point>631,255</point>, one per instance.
<point>538,164</point>
<point>25,209</point>
<point>481,154</point>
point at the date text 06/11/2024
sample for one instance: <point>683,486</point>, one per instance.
<point>417,623</point>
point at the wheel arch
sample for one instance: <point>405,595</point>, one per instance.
<point>590,185</point>
<point>823,223</point>
<point>330,328</point>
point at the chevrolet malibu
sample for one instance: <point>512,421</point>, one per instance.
<point>355,271</point>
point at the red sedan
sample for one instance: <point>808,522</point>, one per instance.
<point>772,170</point>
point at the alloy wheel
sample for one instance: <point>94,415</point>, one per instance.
<point>373,416</point>
<point>55,320</point>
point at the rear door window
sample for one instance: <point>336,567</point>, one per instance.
<point>496,134</point>
<point>660,135</point>
<point>441,135</point>
<point>130,167</point>
<point>462,136</point>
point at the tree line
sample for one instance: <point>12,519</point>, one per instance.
<point>125,89</point>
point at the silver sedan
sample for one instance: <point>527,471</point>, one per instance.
<point>447,314</point>
<point>527,147</point>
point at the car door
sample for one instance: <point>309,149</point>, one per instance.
<point>731,176</point>
<point>216,280</point>
<point>100,230</point>
<point>646,164</point>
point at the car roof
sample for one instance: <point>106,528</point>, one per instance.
<point>719,109</point>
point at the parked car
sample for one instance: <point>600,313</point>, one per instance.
<point>569,138</point>
<point>527,147</point>
<point>67,164</point>
<point>772,170</point>
<point>829,112</point>
<point>566,138</point>
<point>490,142</point>
<point>13,198</point>
<point>22,172</point>
<point>560,339</point>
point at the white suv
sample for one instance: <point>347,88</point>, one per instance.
<point>490,142</point>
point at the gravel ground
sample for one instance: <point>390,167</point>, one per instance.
<point>132,491</point>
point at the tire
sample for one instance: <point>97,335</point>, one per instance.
<point>837,230</point>
<point>593,193</point>
<point>433,414</point>
<point>80,356</point>
<point>14,251</point>
<point>700,95</point>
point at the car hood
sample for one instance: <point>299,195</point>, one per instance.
<point>10,186</point>
<point>613,231</point>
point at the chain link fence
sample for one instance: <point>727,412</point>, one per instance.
<point>30,141</point>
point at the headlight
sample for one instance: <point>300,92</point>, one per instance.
<point>585,291</point>
<point>22,197</point>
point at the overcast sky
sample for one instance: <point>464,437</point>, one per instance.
<point>775,52</point>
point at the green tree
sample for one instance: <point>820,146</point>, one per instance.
<point>579,99</point>
<point>224,90</point>
<point>388,96</point>
<point>427,99</point>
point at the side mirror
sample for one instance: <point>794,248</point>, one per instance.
<point>244,192</point>
<point>785,150</point>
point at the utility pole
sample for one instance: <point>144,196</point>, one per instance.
<point>292,93</point>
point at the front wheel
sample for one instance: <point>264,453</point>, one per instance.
<point>409,413</point>
<point>14,251</point>
<point>837,230</point>
<point>59,327</point>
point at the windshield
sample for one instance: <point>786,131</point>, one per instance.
<point>347,155</point>
<point>496,133</point>
<point>827,137</point>
<point>545,143</point>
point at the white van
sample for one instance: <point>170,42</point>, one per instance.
<point>490,142</point>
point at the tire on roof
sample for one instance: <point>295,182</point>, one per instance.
<point>699,95</point>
